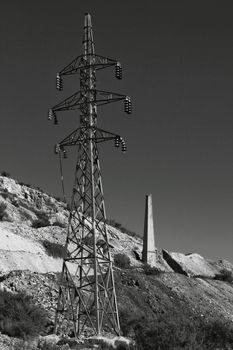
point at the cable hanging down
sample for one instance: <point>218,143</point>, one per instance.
<point>62,178</point>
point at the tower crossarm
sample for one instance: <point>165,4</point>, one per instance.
<point>98,62</point>
<point>70,103</point>
<point>78,101</point>
<point>99,135</point>
<point>104,97</point>
<point>71,140</point>
<point>101,97</point>
<point>102,62</point>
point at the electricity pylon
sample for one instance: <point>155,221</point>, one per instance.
<point>87,294</point>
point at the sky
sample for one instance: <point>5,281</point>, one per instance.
<point>177,59</point>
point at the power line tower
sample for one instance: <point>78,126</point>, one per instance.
<point>87,294</point>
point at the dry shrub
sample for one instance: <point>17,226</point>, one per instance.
<point>5,173</point>
<point>55,250</point>
<point>151,270</point>
<point>225,275</point>
<point>3,207</point>
<point>19,316</point>
<point>176,331</point>
<point>122,261</point>
<point>59,224</point>
<point>42,221</point>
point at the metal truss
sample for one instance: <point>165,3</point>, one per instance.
<point>98,62</point>
<point>76,100</point>
<point>87,296</point>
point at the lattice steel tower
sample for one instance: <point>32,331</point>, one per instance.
<point>87,291</point>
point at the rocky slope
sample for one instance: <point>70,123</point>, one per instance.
<point>180,284</point>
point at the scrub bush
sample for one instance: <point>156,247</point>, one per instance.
<point>55,250</point>
<point>122,261</point>
<point>19,316</point>
<point>42,221</point>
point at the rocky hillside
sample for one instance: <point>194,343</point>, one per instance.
<point>187,290</point>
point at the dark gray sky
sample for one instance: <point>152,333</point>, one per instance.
<point>177,59</point>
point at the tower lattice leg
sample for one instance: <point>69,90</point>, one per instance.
<point>87,290</point>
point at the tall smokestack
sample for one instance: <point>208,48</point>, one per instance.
<point>149,249</point>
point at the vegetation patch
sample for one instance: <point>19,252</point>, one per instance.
<point>156,317</point>
<point>5,173</point>
<point>59,224</point>
<point>8,195</point>
<point>122,261</point>
<point>175,332</point>
<point>25,214</point>
<point>3,213</point>
<point>42,221</point>
<point>224,275</point>
<point>118,226</point>
<point>19,316</point>
<point>165,334</point>
<point>55,250</point>
<point>151,270</point>
<point>218,334</point>
<point>49,346</point>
